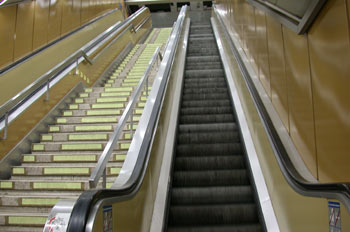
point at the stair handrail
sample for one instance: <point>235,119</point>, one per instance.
<point>128,182</point>
<point>339,191</point>
<point>100,168</point>
<point>119,29</point>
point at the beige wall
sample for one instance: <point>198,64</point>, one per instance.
<point>32,24</point>
<point>307,78</point>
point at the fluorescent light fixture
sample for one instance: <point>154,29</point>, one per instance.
<point>2,2</point>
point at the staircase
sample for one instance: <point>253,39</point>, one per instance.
<point>211,188</point>
<point>60,164</point>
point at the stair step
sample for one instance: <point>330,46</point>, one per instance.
<point>85,170</point>
<point>68,157</point>
<point>76,146</point>
<point>96,127</point>
<point>66,183</point>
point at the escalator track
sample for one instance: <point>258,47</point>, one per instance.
<point>211,187</point>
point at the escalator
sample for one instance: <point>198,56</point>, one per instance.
<point>211,188</point>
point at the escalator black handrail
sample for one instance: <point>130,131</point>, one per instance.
<point>339,191</point>
<point>24,95</point>
<point>89,202</point>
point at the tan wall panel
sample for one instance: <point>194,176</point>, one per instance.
<point>84,16</point>
<point>7,31</point>
<point>250,36</point>
<point>41,20</point>
<point>76,11</point>
<point>55,16</point>
<point>329,57</point>
<point>262,51</point>
<point>302,130</point>
<point>67,16</point>
<point>279,96</point>
<point>24,29</point>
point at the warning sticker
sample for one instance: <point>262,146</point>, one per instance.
<point>107,219</point>
<point>334,216</point>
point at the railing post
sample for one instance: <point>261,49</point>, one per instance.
<point>104,181</point>
<point>147,86</point>
<point>76,66</point>
<point>47,90</point>
<point>131,122</point>
<point>6,125</point>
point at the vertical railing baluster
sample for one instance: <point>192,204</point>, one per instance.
<point>6,125</point>
<point>104,181</point>
<point>47,90</point>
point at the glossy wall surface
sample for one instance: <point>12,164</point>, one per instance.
<point>307,78</point>
<point>32,24</point>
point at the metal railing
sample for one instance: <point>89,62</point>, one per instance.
<point>82,54</point>
<point>129,180</point>
<point>100,169</point>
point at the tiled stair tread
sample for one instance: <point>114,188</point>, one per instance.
<point>49,173</point>
<point>66,128</point>
<point>20,228</point>
<point>38,194</point>
<point>83,127</point>
<point>28,211</point>
<point>69,158</point>
<point>44,171</point>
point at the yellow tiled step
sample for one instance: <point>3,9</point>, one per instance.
<point>68,157</point>
<point>78,146</point>
<point>61,170</point>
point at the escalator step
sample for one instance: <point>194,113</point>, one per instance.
<point>200,59</point>
<point>213,214</point>
<point>208,118</point>
<point>206,110</point>
<point>209,163</point>
<point>225,228</point>
<point>208,149</point>
<point>192,128</point>
<point>208,138</point>
<point>203,85</point>
<point>205,90</point>
<point>209,103</point>
<point>205,96</point>
<point>204,73</point>
<point>210,188</point>
<point>210,178</point>
<point>212,195</point>
<point>211,80</point>
<point>201,66</point>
